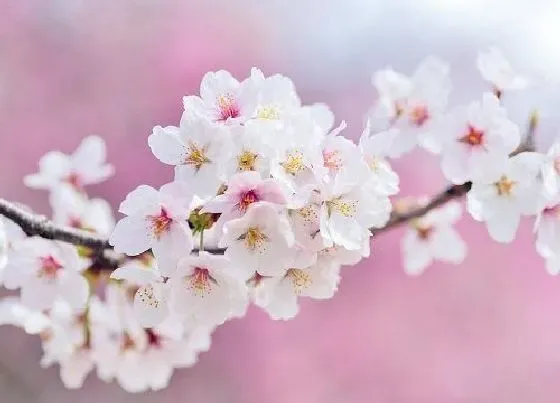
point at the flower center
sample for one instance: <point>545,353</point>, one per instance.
<point>74,180</point>
<point>154,339</point>
<point>196,156</point>
<point>254,238</point>
<point>160,223</point>
<point>474,137</point>
<point>269,112</point>
<point>346,208</point>
<point>294,163</point>
<point>227,107</point>
<point>423,231</point>
<point>300,279</point>
<point>504,186</point>
<point>308,213</point>
<point>49,267</point>
<point>419,115</point>
<point>332,160</point>
<point>147,296</point>
<point>247,199</point>
<point>200,282</point>
<point>246,161</point>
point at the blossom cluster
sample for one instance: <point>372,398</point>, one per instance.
<point>268,201</point>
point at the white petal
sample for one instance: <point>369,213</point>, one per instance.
<point>167,146</point>
<point>503,228</point>
<point>150,305</point>
<point>143,200</point>
<point>74,289</point>
<point>131,236</point>
<point>136,274</point>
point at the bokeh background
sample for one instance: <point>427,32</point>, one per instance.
<point>485,331</point>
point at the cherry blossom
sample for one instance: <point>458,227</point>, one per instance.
<point>197,149</point>
<point>260,241</point>
<point>432,237</point>
<point>156,220</point>
<point>86,166</point>
<point>224,99</point>
<point>207,291</point>
<point>245,189</point>
<point>504,195</point>
<point>477,139</point>
<point>494,67</point>
<point>46,270</point>
<point>279,295</point>
<point>411,105</point>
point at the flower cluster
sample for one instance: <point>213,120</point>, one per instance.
<point>268,201</point>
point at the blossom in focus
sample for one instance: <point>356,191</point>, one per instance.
<point>151,297</point>
<point>243,190</point>
<point>223,99</point>
<point>499,198</point>
<point>495,68</point>
<point>279,295</point>
<point>206,290</point>
<point>260,241</point>
<point>477,140</point>
<point>432,237</point>
<point>46,270</point>
<point>197,149</point>
<point>86,166</point>
<point>156,220</point>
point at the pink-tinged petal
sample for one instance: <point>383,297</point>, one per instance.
<point>218,204</point>
<point>270,191</point>
<point>167,146</point>
<point>132,236</point>
<point>144,200</point>
<point>74,289</point>
<point>136,274</point>
<point>150,305</point>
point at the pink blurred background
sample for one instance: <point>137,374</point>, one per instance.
<point>485,331</point>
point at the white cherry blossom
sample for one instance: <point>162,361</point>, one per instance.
<point>151,298</point>
<point>223,99</point>
<point>198,151</point>
<point>206,290</point>
<point>245,189</point>
<point>504,195</point>
<point>260,241</point>
<point>477,139</point>
<point>86,166</point>
<point>432,237</point>
<point>46,270</point>
<point>156,220</point>
<point>412,105</point>
<point>278,99</point>
<point>250,151</point>
<point>279,295</point>
<point>495,68</point>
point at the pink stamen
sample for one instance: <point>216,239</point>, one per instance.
<point>161,223</point>
<point>49,267</point>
